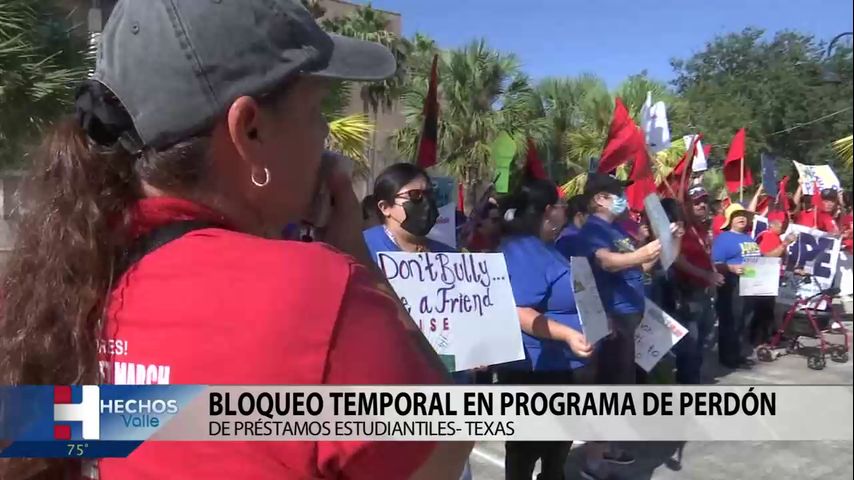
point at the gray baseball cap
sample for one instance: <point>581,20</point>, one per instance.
<point>177,65</point>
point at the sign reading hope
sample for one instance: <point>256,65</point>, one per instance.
<point>462,302</point>
<point>815,251</point>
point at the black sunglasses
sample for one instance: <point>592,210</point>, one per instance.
<point>416,195</point>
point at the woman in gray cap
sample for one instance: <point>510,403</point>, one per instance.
<point>148,252</point>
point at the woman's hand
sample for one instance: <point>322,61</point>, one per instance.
<point>736,269</point>
<point>578,344</point>
<point>715,279</point>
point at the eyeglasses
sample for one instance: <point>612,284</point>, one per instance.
<point>416,195</point>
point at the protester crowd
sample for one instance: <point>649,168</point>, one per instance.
<point>538,231</point>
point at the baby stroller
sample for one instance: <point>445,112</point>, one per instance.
<point>805,319</point>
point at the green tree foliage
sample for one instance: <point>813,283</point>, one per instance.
<point>773,86</point>
<point>42,58</point>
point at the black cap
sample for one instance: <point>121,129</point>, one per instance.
<point>697,192</point>
<point>829,194</point>
<point>601,182</point>
<point>176,65</point>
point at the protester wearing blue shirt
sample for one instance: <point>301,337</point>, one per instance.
<point>542,287</point>
<point>407,211</point>
<point>735,313</point>
<point>569,242</point>
<point>618,267</point>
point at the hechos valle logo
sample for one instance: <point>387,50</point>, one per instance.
<point>86,411</point>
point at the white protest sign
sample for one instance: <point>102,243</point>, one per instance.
<point>594,320</point>
<point>810,175</point>
<point>655,336</point>
<point>654,125</point>
<point>462,302</point>
<point>761,277</point>
<point>445,230</point>
<point>815,253</point>
<point>700,164</point>
<point>660,225</point>
<point>845,278</point>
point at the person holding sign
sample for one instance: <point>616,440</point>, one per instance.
<point>735,313</point>
<point>406,205</point>
<point>825,218</point>
<point>696,277</point>
<point>619,270</point>
<point>556,351</point>
<point>770,245</point>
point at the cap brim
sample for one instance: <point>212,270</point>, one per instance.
<point>358,60</point>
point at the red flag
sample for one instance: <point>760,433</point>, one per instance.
<point>707,150</point>
<point>461,197</point>
<point>816,195</point>
<point>428,144</point>
<point>641,175</point>
<point>620,145</point>
<point>734,164</point>
<point>533,165</point>
<point>782,197</point>
<point>763,203</point>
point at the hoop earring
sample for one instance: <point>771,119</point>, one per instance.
<point>266,178</point>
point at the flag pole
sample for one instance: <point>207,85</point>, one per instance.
<point>741,184</point>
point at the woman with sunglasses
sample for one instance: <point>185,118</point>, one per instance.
<point>407,212</point>
<point>149,250</point>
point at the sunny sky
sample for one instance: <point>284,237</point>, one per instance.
<point>612,38</point>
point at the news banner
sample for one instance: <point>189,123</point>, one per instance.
<point>113,420</point>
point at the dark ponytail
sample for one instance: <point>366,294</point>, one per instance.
<point>523,210</point>
<point>75,226</point>
<point>75,203</point>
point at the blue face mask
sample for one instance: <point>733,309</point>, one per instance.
<point>619,204</point>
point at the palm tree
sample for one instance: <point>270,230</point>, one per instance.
<point>588,98</point>
<point>570,106</point>
<point>843,148</point>
<point>482,93</point>
<point>366,23</point>
<point>42,58</point>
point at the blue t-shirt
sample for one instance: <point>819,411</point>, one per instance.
<point>378,240</point>
<point>622,292</point>
<point>541,279</point>
<point>731,247</point>
<point>569,242</point>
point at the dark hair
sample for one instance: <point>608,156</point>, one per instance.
<point>673,209</point>
<point>528,203</point>
<point>392,179</point>
<point>369,207</point>
<point>575,205</point>
<point>76,204</point>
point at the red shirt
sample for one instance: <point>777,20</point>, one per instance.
<point>695,251</point>
<point>768,241</point>
<point>221,307</point>
<point>825,223</point>
<point>717,223</point>
<point>848,226</point>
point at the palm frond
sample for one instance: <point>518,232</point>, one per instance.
<point>843,149</point>
<point>350,135</point>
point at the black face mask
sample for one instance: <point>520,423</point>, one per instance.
<point>420,216</point>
